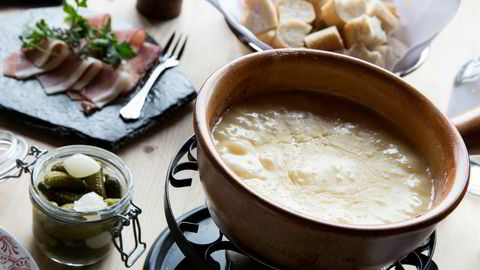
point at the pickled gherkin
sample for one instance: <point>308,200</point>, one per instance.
<point>112,187</point>
<point>59,196</point>
<point>111,201</point>
<point>68,206</point>
<point>58,167</point>
<point>64,181</point>
<point>96,184</point>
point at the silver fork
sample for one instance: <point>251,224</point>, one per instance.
<point>170,58</point>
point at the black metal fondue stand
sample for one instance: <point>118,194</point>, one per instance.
<point>193,241</point>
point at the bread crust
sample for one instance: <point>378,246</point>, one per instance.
<point>339,12</point>
<point>360,51</point>
<point>260,16</point>
<point>326,39</point>
<point>366,30</point>
<point>295,10</point>
<point>319,23</point>
<point>291,34</point>
<point>267,37</point>
<point>379,10</point>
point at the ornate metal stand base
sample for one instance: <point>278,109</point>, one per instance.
<point>193,241</point>
<point>165,253</point>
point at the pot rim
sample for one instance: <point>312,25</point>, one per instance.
<point>431,217</point>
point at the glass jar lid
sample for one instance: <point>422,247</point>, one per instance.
<point>12,148</point>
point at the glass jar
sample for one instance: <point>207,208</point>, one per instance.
<point>467,82</point>
<point>70,237</point>
<point>66,236</point>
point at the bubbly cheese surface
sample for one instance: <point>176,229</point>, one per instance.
<point>325,158</point>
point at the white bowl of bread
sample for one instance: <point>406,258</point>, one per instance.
<point>364,29</point>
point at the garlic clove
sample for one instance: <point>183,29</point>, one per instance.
<point>80,165</point>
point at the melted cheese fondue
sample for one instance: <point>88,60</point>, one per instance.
<point>324,157</point>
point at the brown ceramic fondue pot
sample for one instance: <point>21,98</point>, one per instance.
<point>283,238</point>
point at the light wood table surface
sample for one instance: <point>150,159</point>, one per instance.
<point>212,45</point>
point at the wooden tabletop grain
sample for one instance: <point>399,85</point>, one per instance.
<point>212,45</point>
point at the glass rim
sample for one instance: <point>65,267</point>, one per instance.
<point>69,216</point>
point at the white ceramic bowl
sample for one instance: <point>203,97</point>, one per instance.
<point>13,255</point>
<point>412,15</point>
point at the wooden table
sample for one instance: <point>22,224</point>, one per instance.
<point>212,45</point>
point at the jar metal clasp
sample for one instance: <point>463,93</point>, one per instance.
<point>26,165</point>
<point>131,217</point>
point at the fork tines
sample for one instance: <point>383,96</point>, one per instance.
<point>178,47</point>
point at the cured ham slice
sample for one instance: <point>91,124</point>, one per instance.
<point>99,20</point>
<point>88,76</point>
<point>146,56</point>
<point>49,49</point>
<point>105,87</point>
<point>75,95</point>
<point>20,65</point>
<point>137,66</point>
<point>136,36</point>
<point>99,93</point>
<point>67,74</point>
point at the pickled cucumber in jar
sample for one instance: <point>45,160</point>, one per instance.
<point>75,243</point>
<point>80,183</point>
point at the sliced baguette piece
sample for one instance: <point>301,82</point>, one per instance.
<point>392,7</point>
<point>366,30</point>
<point>360,51</point>
<point>392,51</point>
<point>339,12</point>
<point>386,51</point>
<point>260,16</point>
<point>327,39</point>
<point>291,34</point>
<point>388,56</point>
<point>295,10</point>
<point>267,37</point>
<point>319,23</point>
<point>378,9</point>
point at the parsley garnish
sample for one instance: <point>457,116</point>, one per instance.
<point>82,39</point>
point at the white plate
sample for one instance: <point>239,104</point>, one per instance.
<point>13,256</point>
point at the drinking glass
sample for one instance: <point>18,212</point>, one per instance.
<point>470,73</point>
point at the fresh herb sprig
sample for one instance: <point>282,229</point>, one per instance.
<point>82,39</point>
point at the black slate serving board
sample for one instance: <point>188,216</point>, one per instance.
<point>26,102</point>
